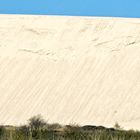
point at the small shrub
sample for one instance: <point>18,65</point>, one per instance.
<point>117,126</point>
<point>37,122</point>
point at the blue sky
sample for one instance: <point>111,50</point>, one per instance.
<point>116,8</point>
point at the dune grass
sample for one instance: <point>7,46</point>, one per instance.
<point>38,129</point>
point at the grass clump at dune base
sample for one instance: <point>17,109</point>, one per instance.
<point>38,129</point>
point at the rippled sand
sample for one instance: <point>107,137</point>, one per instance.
<point>83,70</point>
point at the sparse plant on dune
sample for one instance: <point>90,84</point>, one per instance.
<point>117,126</point>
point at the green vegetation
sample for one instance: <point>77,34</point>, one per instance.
<point>38,129</point>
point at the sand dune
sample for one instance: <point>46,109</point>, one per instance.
<point>83,70</point>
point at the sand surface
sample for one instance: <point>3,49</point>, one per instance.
<point>83,70</point>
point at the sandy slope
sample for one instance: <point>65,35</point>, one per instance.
<point>70,69</point>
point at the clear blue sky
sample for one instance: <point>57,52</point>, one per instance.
<point>117,8</point>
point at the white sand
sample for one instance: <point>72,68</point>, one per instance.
<point>83,70</point>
